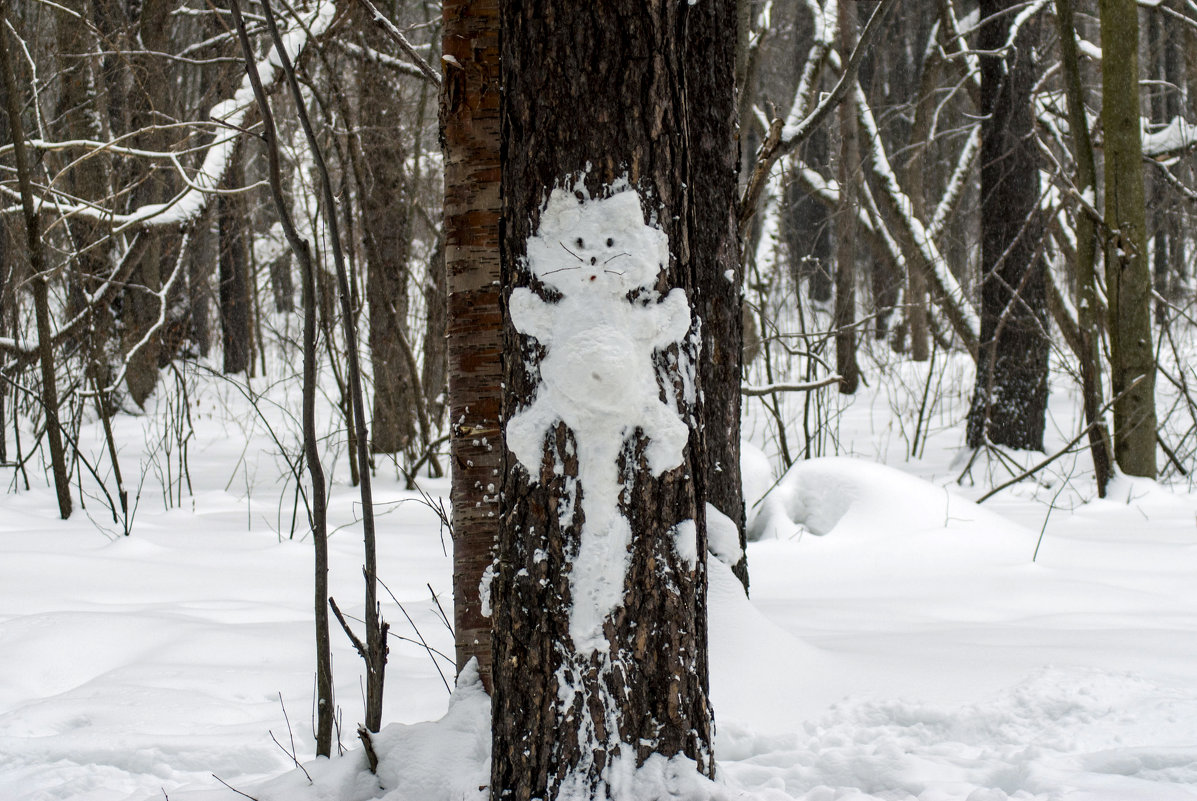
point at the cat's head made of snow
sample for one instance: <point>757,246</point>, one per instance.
<point>596,245</point>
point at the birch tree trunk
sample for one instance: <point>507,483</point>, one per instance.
<point>470,126</point>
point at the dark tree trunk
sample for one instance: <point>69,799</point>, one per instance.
<point>386,237</point>
<point>81,115</point>
<point>1163,47</point>
<point>236,331</point>
<point>844,319</point>
<point>806,226</point>
<point>580,684</point>
<point>39,278</point>
<point>434,370</point>
<point>8,283</point>
<point>1010,397</point>
<point>200,261</point>
<point>714,249</point>
<point>470,126</point>
<point>145,103</point>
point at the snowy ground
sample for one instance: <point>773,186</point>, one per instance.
<point>900,642</point>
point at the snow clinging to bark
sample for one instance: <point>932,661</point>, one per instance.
<point>598,375</point>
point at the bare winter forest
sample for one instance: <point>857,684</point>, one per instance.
<point>535,337</point>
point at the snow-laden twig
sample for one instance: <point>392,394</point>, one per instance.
<point>397,36</point>
<point>1030,471</point>
<point>956,184</point>
<point>823,20</point>
<point>783,139</point>
<point>163,307</point>
<point>955,48</point>
<point>1173,139</point>
<point>754,391</point>
<point>917,246</point>
<point>25,352</point>
<point>372,56</point>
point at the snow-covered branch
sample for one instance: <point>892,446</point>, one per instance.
<point>913,237</point>
<point>1173,139</point>
<point>232,114</point>
<point>783,139</point>
<point>752,391</point>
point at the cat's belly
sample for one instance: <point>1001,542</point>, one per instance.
<point>602,370</point>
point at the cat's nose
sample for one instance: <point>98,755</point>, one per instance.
<point>593,260</point>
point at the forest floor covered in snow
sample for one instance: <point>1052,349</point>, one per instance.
<point>900,642</point>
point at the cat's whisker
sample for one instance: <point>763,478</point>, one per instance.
<point>560,270</point>
<point>613,272</point>
<point>616,256</point>
<point>570,252</point>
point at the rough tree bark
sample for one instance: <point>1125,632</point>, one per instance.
<point>714,248</point>
<point>1128,278</point>
<point>1010,397</point>
<point>434,372</point>
<point>573,699</point>
<point>470,127</point>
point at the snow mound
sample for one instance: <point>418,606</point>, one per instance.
<point>756,479</point>
<point>746,652</point>
<point>858,498</point>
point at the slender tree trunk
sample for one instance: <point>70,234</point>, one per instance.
<point>845,269</point>
<point>1163,47</point>
<point>325,708</point>
<point>591,673</point>
<point>40,278</point>
<point>470,124</point>
<point>8,283</point>
<point>434,370</point>
<point>1128,278</point>
<point>145,102</point>
<point>200,261</point>
<point>1086,253</point>
<point>1010,398</point>
<point>83,115</point>
<point>236,330</point>
<point>386,237</point>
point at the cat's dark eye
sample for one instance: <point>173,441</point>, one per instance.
<point>579,242</point>
<point>610,242</point>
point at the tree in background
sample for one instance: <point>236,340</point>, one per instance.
<point>1128,276</point>
<point>1010,398</point>
<point>386,209</point>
